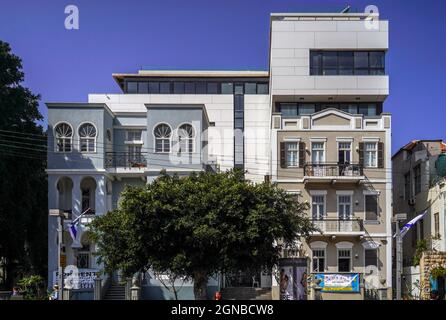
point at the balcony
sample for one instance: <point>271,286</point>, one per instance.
<point>333,173</point>
<point>339,226</point>
<point>125,160</point>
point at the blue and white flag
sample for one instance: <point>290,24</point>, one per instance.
<point>73,230</point>
<point>410,224</point>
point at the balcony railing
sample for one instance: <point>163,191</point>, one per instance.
<point>125,160</point>
<point>333,170</point>
<point>339,225</point>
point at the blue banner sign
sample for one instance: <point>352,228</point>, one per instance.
<point>338,282</point>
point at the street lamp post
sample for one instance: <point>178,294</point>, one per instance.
<point>399,252</point>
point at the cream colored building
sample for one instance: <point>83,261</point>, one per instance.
<point>331,145</point>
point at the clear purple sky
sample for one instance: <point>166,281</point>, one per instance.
<point>123,36</point>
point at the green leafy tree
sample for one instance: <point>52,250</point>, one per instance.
<point>199,225</point>
<point>23,186</point>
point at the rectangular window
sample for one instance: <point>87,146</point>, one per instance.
<point>344,207</point>
<point>344,152</point>
<point>347,62</point>
<point>154,87</point>
<point>134,135</point>
<point>437,224</point>
<point>288,109</point>
<point>250,88</point>
<point>318,260</point>
<point>344,260</point>
<point>227,88</point>
<point>200,88</point>
<point>318,207</point>
<point>306,109</point>
<point>349,108</point>
<point>371,154</point>
<point>368,110</point>
<point>189,88</point>
<point>132,87</point>
<point>143,87</point>
<point>417,178</point>
<point>317,152</point>
<point>370,260</point>
<point>371,207</point>
<point>134,154</point>
<point>292,154</point>
<point>164,87</point>
<point>212,88</point>
<point>178,87</point>
<point>262,88</point>
<point>238,88</point>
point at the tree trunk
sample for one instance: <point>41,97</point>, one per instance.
<point>200,285</point>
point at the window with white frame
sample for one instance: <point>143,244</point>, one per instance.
<point>318,260</point>
<point>318,207</point>
<point>317,152</point>
<point>134,135</point>
<point>87,137</point>
<point>134,154</point>
<point>370,154</point>
<point>64,137</point>
<point>186,138</point>
<point>163,134</point>
<point>371,207</point>
<point>344,260</point>
<point>344,207</point>
<point>344,152</point>
<point>292,154</point>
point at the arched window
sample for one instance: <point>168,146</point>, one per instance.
<point>87,138</point>
<point>186,137</point>
<point>88,192</point>
<point>64,137</point>
<point>163,134</point>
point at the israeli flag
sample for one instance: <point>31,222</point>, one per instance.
<point>73,230</point>
<point>410,224</point>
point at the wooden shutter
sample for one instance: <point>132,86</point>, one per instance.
<point>301,154</point>
<point>380,155</point>
<point>361,153</point>
<point>282,155</point>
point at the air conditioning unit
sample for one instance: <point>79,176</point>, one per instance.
<point>411,201</point>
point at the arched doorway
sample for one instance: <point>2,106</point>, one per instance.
<point>88,193</point>
<point>64,192</point>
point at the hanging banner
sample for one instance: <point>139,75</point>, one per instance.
<point>337,282</point>
<point>293,278</point>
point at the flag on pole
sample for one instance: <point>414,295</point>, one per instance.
<point>410,224</point>
<point>73,230</point>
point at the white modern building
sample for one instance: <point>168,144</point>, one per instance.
<point>322,96</point>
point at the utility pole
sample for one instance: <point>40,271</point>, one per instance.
<point>60,217</point>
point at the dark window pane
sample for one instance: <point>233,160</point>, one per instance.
<point>316,60</point>
<point>371,258</point>
<point>154,87</point>
<point>238,114</point>
<point>200,87</point>
<point>164,87</point>
<point>238,123</point>
<point>178,87</point>
<point>315,71</point>
<point>371,207</point>
<point>345,72</point>
<point>238,88</point>
<point>330,72</point>
<point>349,108</point>
<point>361,72</point>
<point>376,72</point>
<point>212,88</point>
<point>227,88</point>
<point>361,59</point>
<point>143,87</point>
<point>250,88</point>
<point>345,59</point>
<point>307,109</point>
<point>132,87</point>
<point>367,109</point>
<point>262,88</point>
<point>376,59</point>
<point>330,59</point>
<point>189,88</point>
<point>288,109</point>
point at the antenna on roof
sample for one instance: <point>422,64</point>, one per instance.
<point>346,9</point>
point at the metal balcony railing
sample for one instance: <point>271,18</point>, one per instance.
<point>125,160</point>
<point>333,170</point>
<point>339,225</point>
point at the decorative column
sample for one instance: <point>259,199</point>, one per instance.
<point>76,198</point>
<point>101,195</point>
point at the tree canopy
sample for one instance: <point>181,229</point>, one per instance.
<point>23,186</point>
<point>199,225</point>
